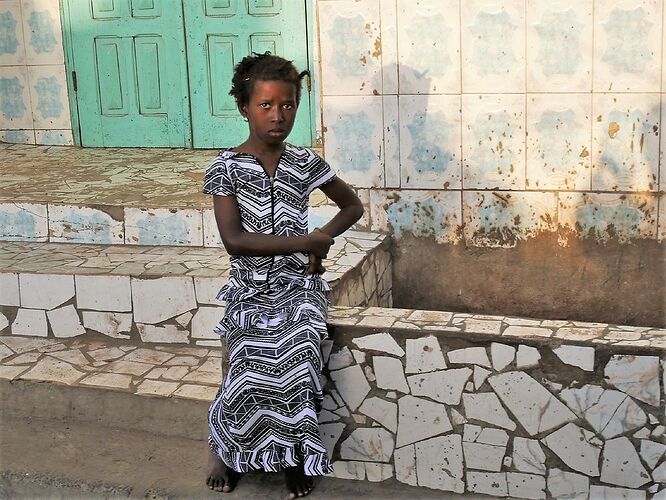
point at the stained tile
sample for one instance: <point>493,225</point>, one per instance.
<point>439,463</point>
<point>42,32</point>
<point>625,150</point>
<point>445,386</point>
<point>351,47</point>
<point>390,373</point>
<point>493,141</point>
<point>493,46</point>
<point>9,289</point>
<point>30,322</point>
<point>17,136</point>
<point>434,24</point>
<point>156,300</point>
<point>15,106</point>
<point>352,385</point>
<point>12,51</point>
<point>605,216</point>
<point>371,445</point>
<point>23,221</point>
<point>156,387</point>
<point>353,139</point>
<point>54,137</point>
<point>637,376</point>
<point>627,45</point>
<point>563,484</point>
<point>204,320</point>
<point>430,147</point>
<point>65,322</point>
<point>576,447</point>
<point>488,483</point>
<point>48,94</point>
<point>525,485</point>
<point>559,46</point>
<point>501,219</point>
<point>45,291</point>
<point>109,380</point>
<point>108,323</point>
<point>621,465</point>
<point>53,370</point>
<point>192,391</point>
<point>486,407</point>
<point>161,226</point>
<point>558,141</point>
<point>435,214</point>
<point>78,224</point>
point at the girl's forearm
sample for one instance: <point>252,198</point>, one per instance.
<point>343,220</point>
<point>257,244</point>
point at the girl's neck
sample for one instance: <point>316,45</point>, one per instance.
<point>260,148</point>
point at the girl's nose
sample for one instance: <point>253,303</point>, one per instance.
<point>278,115</point>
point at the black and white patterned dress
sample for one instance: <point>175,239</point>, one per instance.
<point>265,415</point>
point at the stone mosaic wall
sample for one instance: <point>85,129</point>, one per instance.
<point>34,107</point>
<point>499,406</point>
<point>154,294</point>
<point>489,122</point>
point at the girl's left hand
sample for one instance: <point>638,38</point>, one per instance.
<point>315,265</point>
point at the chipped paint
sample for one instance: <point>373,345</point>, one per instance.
<point>43,38</point>
<point>11,98</point>
<point>346,34</point>
<point>19,225</point>
<point>491,155</point>
<point>8,40</point>
<point>493,51</point>
<point>353,132</point>
<point>49,97</point>
<point>628,44</point>
<point>430,133</point>
<point>432,32</point>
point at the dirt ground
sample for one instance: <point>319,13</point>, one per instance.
<point>60,460</point>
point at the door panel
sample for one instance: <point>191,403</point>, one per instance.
<point>219,34</point>
<point>130,63</point>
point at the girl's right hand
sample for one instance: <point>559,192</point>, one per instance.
<point>319,243</point>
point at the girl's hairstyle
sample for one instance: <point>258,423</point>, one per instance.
<point>263,67</point>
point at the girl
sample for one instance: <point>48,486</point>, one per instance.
<point>265,414</point>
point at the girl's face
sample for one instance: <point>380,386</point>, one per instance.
<point>271,111</point>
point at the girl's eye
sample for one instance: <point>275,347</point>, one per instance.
<point>265,105</point>
<point>288,106</point>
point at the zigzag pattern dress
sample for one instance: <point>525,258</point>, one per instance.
<point>264,416</point>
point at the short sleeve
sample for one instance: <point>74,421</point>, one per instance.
<point>217,180</point>
<point>320,173</point>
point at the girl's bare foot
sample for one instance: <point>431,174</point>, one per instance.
<point>298,484</point>
<point>220,477</point>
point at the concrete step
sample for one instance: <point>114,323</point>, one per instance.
<point>153,293</point>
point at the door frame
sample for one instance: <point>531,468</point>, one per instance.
<point>313,94</point>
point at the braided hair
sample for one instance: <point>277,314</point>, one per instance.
<point>263,67</point>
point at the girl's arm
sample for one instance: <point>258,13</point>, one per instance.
<point>351,208</point>
<point>239,242</point>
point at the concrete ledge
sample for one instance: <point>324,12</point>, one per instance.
<point>447,401</point>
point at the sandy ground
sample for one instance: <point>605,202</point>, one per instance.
<point>57,460</point>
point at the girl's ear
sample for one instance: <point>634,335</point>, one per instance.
<point>242,109</point>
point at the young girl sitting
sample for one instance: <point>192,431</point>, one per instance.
<point>265,414</point>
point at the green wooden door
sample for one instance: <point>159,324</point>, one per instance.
<point>219,34</point>
<point>129,58</point>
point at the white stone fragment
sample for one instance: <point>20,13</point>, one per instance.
<point>642,433</point>
<point>656,432</point>
<point>104,293</point>
<point>528,456</point>
<point>502,355</point>
<point>582,357</point>
<point>470,356</point>
<point>378,472</point>
<point>160,299</point>
<point>615,413</point>
<point>65,322</point>
<point>480,376</point>
<point>359,356</point>
<point>390,373</point>
<point>6,352</point>
<point>651,452</point>
<point>327,416</point>
<point>4,322</point>
<point>488,483</point>
<point>206,289</point>
<point>330,433</point>
<point>184,319</point>
<point>457,418</point>
<point>527,357</point>
<point>581,399</point>
<point>536,409</point>
<point>576,447</point>
<point>621,464</point>
<point>20,345</point>
<point>369,374</point>
<point>486,407</point>
<point>420,419</point>
<point>525,485</point>
<point>608,493</point>
<point>439,463</point>
<point>489,435</point>
<point>170,334</point>
<point>30,322</point>
<point>424,355</point>
<point>9,289</point>
<point>382,342</point>
<point>384,412</point>
<point>445,386</point>
<point>352,385</point>
<point>108,323</point>
<point>483,456</point>
<point>368,445</point>
<point>45,291</point>
<point>569,485</point>
<point>659,474</point>
<point>340,359</point>
<point>48,369</point>
<point>405,464</point>
<point>349,470</point>
<point>205,320</point>
<point>637,376</point>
